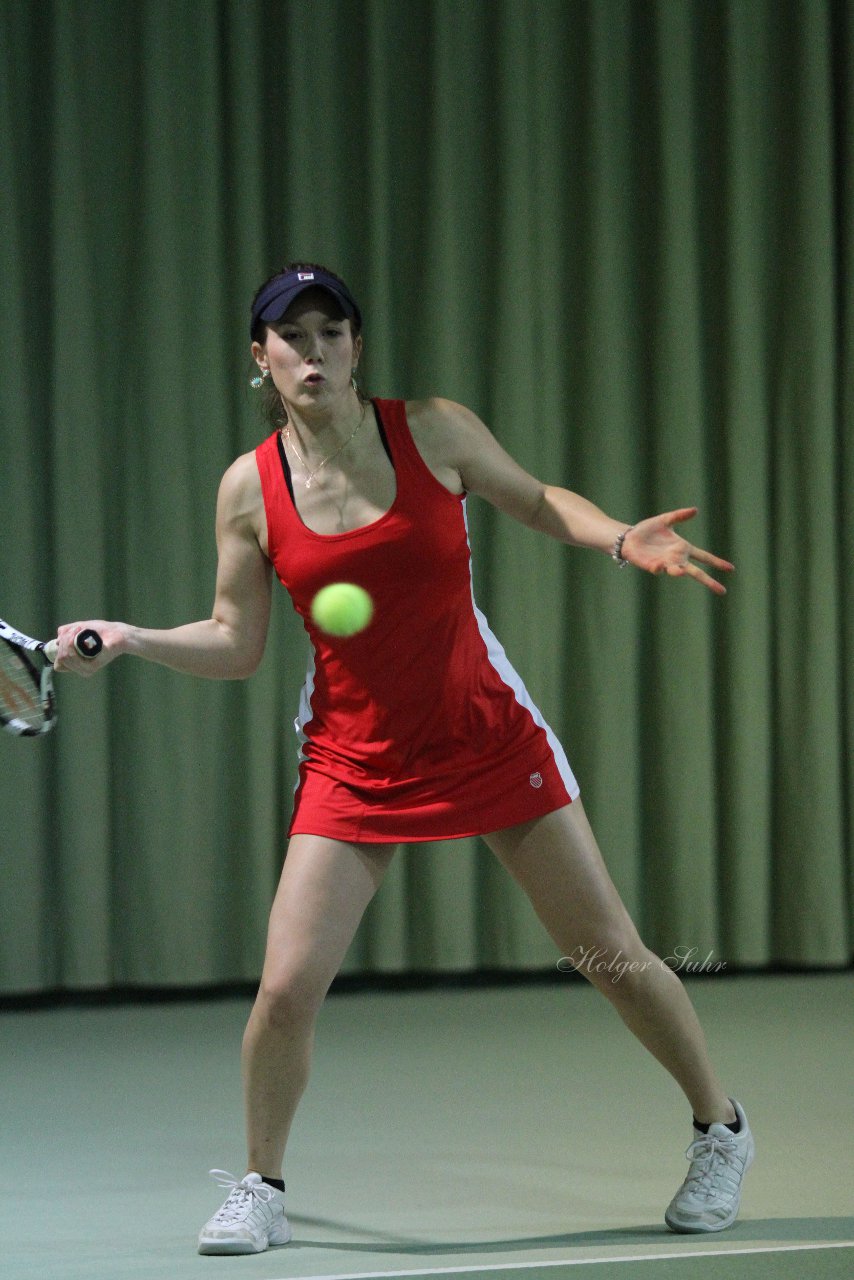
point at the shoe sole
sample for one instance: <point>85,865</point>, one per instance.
<point>232,1248</point>
<point>229,1248</point>
<point>701,1228</point>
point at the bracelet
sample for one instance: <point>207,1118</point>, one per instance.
<point>617,551</point>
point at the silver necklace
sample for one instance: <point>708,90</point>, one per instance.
<point>311,474</point>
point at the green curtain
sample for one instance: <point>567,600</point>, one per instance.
<point>621,232</point>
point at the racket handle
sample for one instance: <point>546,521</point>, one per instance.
<point>87,643</point>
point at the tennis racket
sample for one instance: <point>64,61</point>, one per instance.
<point>27,700</point>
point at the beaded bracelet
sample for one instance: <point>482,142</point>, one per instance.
<point>617,552</point>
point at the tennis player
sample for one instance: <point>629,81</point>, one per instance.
<point>417,728</point>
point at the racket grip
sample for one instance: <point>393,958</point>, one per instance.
<point>87,643</point>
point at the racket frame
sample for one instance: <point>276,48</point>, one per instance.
<point>88,645</point>
<point>23,645</point>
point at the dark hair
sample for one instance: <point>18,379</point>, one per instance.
<point>272,409</point>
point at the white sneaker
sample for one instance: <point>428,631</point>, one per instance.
<point>709,1197</point>
<point>252,1217</point>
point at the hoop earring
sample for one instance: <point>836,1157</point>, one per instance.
<point>258,382</point>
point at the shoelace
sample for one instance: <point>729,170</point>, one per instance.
<point>242,1196</point>
<point>707,1172</point>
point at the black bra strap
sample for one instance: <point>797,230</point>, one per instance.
<point>286,466</point>
<point>383,435</point>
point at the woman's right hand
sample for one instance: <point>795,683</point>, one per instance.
<point>114,640</point>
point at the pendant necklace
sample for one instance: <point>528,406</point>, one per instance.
<point>311,474</point>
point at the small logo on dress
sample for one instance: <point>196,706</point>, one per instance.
<point>305,275</point>
<point>536,780</point>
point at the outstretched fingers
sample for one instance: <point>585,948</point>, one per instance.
<point>699,554</point>
<point>688,570</point>
<point>656,546</point>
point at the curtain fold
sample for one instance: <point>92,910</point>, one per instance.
<point>621,232</point>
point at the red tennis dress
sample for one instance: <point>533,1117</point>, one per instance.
<point>417,728</point>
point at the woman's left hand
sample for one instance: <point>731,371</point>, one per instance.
<point>654,546</point>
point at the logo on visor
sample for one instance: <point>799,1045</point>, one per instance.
<point>305,275</point>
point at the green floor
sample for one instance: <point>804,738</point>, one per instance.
<point>518,1131</point>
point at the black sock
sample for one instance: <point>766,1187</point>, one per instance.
<point>734,1126</point>
<point>274,1182</point>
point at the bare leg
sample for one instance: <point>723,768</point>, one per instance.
<point>557,862</point>
<point>323,892</point>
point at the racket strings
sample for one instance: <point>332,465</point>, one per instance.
<point>26,696</point>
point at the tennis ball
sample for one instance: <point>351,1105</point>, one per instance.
<point>342,609</point>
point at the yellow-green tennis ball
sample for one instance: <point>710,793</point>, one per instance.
<point>342,609</point>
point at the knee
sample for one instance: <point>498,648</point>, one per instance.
<point>288,999</point>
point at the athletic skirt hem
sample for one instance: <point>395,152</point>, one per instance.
<point>327,807</point>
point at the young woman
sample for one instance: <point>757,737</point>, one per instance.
<point>415,729</point>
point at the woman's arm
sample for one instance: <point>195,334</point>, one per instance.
<point>455,437</point>
<point>229,644</point>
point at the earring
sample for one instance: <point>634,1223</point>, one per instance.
<point>258,382</point>
<point>353,380</point>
